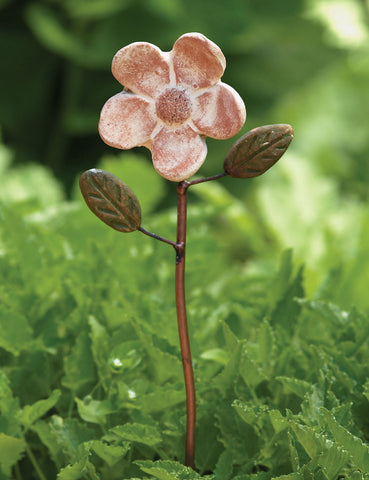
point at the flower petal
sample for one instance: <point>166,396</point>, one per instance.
<point>197,61</point>
<point>219,112</point>
<point>142,68</point>
<point>178,154</point>
<point>127,121</point>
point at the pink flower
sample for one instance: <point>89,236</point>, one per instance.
<point>171,101</point>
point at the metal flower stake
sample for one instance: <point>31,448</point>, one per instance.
<point>170,102</point>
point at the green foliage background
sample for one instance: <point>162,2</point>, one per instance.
<point>90,381</point>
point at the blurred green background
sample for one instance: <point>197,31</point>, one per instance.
<point>72,290</point>
<point>305,63</point>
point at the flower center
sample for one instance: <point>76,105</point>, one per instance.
<point>173,106</point>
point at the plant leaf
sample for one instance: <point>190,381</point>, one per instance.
<point>258,150</point>
<point>15,332</point>
<point>94,411</point>
<point>111,200</point>
<point>31,413</point>
<point>11,450</point>
<point>295,385</point>
<point>111,454</point>
<point>137,432</point>
<point>358,451</point>
<point>79,365</point>
<point>78,468</point>
<point>224,466</point>
<point>168,470</point>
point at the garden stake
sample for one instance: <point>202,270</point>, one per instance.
<point>182,188</point>
<point>170,102</point>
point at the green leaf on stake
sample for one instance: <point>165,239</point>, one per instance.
<point>111,200</point>
<point>258,150</point>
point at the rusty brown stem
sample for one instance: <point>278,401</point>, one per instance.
<point>180,248</point>
<point>157,237</point>
<point>208,179</point>
<point>182,188</point>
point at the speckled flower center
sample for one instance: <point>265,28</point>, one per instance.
<point>173,106</point>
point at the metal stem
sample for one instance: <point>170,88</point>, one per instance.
<point>157,237</point>
<point>180,248</point>
<point>208,179</point>
<point>182,322</point>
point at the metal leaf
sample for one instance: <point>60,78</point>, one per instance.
<point>111,200</point>
<point>258,150</point>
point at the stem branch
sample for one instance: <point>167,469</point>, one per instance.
<point>208,179</point>
<point>157,237</point>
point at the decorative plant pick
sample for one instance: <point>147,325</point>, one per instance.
<point>171,101</point>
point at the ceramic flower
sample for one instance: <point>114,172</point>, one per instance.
<point>170,102</point>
